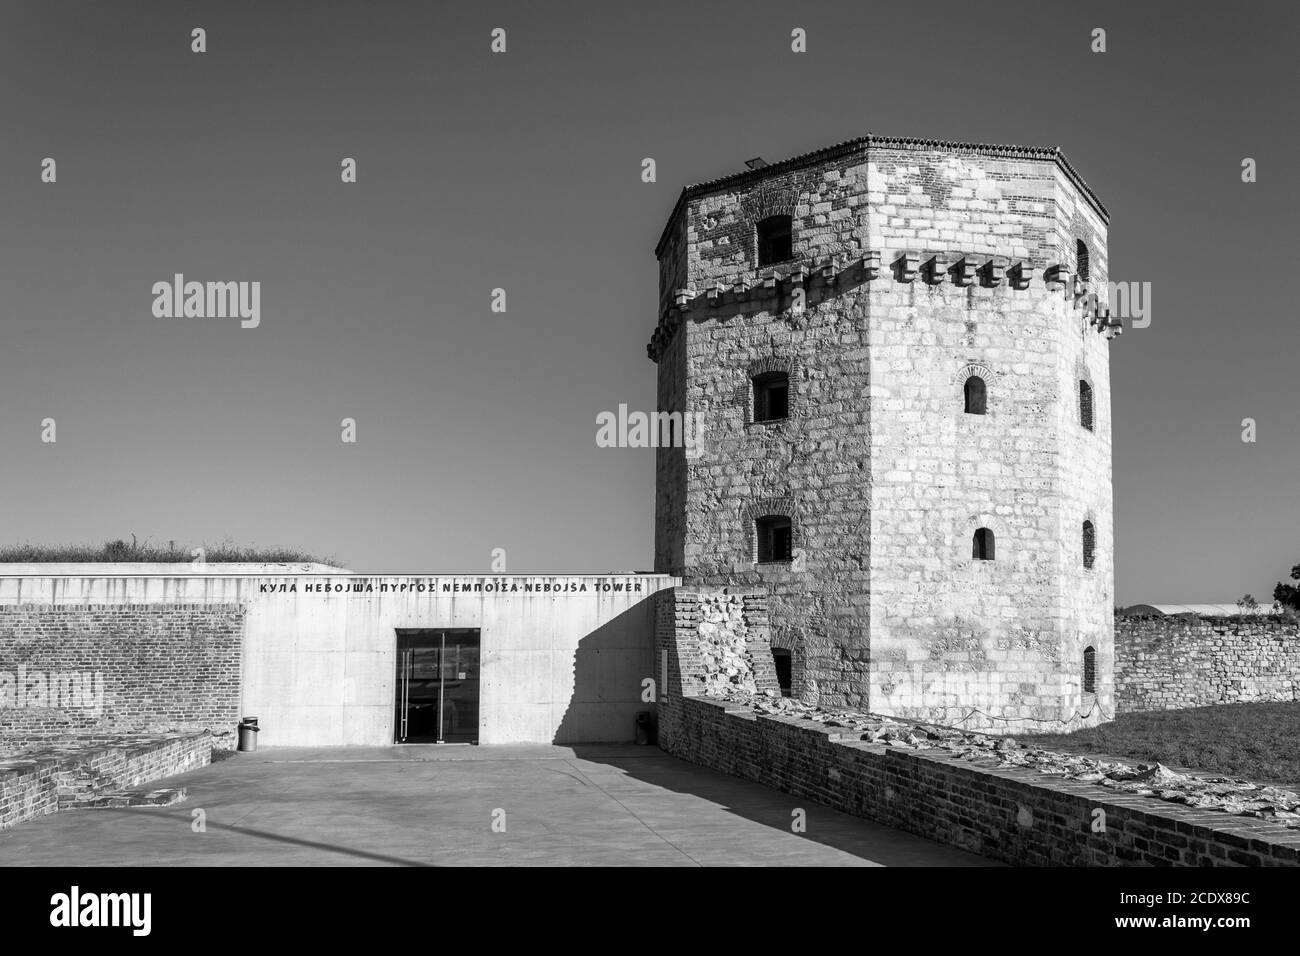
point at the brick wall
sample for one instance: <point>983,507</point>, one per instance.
<point>44,782</point>
<point>1014,815</point>
<point>118,669</point>
<point>1167,663</point>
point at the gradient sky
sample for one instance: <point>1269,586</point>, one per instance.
<point>477,430</point>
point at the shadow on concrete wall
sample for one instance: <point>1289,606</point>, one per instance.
<point>608,667</point>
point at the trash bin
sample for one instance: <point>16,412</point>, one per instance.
<point>248,734</point>
<point>644,728</point>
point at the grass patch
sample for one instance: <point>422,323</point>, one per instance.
<point>112,552</point>
<point>1260,742</point>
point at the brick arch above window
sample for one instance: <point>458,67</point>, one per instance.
<point>759,507</point>
<point>766,201</point>
<point>771,363</point>
<point>973,369</point>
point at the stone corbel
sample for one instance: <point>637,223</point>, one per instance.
<point>934,270</point>
<point>992,273</point>
<point>1021,274</point>
<point>798,276</point>
<point>1057,277</point>
<point>907,264</point>
<point>964,271</point>
<point>871,266</point>
<point>683,297</point>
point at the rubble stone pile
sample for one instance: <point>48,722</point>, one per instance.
<point>1240,797</point>
<point>722,636</point>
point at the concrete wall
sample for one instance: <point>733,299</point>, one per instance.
<point>1168,663</point>
<point>884,476</point>
<point>563,657</point>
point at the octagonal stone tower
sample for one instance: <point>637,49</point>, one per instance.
<point>903,387</point>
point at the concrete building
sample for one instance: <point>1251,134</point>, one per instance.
<point>322,656</point>
<point>906,399</point>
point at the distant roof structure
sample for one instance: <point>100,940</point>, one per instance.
<point>1202,610</point>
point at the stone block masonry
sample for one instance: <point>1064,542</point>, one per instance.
<point>913,267</point>
<point>79,671</point>
<point>1169,663</point>
<point>1017,815</point>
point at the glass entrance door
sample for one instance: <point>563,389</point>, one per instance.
<point>437,686</point>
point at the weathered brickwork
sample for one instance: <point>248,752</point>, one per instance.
<point>60,777</point>
<point>1014,815</point>
<point>1167,663</point>
<point>920,264</point>
<point>79,671</point>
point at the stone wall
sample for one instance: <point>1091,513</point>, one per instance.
<point>1168,663</point>
<point>1015,815</point>
<point>884,476</point>
<point>79,671</point>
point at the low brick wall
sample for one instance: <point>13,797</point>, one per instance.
<point>1168,663</point>
<point>1013,815</point>
<point>63,775</point>
<point>1009,814</point>
<point>80,670</point>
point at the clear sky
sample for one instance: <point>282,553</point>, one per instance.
<point>522,171</point>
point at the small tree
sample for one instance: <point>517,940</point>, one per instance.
<point>1248,604</point>
<point>1288,595</point>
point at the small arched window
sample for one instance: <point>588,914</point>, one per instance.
<point>976,395</point>
<point>775,242</point>
<point>982,545</point>
<point>1082,260</point>
<point>1089,670</point>
<point>1089,544</point>
<point>1085,405</point>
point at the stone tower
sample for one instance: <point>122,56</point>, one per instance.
<point>904,392</point>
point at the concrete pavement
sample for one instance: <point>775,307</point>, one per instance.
<point>437,806</point>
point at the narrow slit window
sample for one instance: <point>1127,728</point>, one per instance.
<point>1082,260</point>
<point>1089,670</point>
<point>784,669</point>
<point>976,396</point>
<point>775,539</point>
<point>775,240</point>
<point>1085,405</point>
<point>1089,544</point>
<point>982,545</point>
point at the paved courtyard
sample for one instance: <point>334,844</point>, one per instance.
<point>435,806</point>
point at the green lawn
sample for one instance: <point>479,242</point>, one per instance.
<point>1260,742</point>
